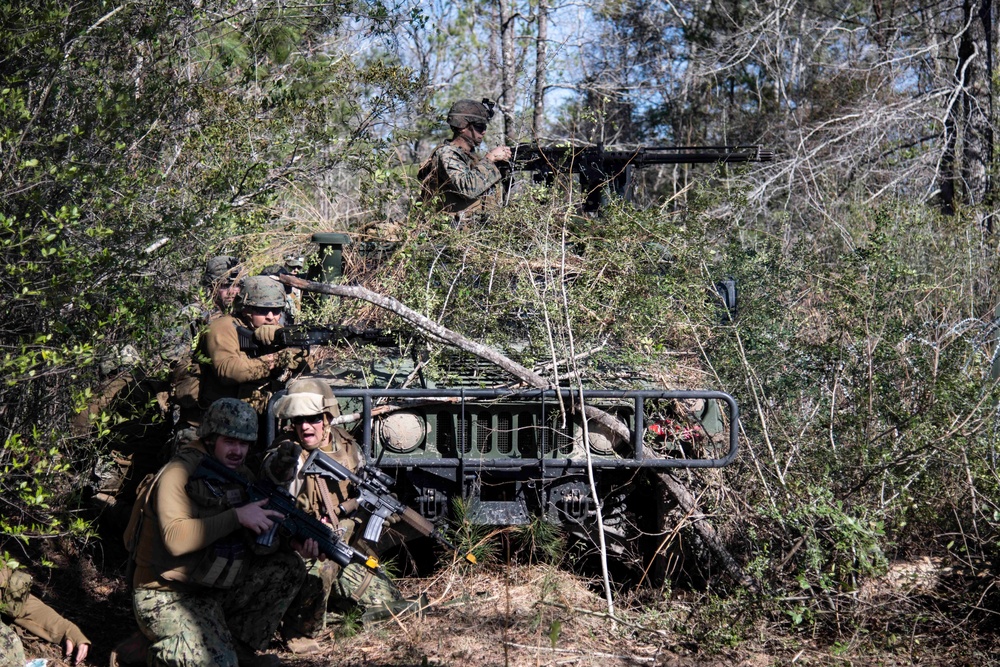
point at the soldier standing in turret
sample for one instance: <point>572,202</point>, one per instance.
<point>456,177</point>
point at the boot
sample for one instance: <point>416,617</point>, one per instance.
<point>130,651</point>
<point>387,610</point>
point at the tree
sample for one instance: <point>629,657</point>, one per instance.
<point>138,140</point>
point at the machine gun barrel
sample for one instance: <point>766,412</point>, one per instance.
<point>598,166</point>
<point>374,495</point>
<point>691,155</point>
<point>299,524</point>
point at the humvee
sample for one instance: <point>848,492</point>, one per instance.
<point>515,456</point>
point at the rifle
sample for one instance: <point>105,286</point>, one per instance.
<point>300,335</point>
<point>300,525</point>
<point>374,495</point>
<point>598,167</point>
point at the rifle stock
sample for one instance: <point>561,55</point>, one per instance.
<point>297,523</point>
<point>374,495</point>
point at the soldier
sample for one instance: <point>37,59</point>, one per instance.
<point>28,612</point>
<point>229,371</point>
<point>294,265</point>
<point>221,281</point>
<point>310,405</point>
<point>126,418</point>
<point>204,594</point>
<point>459,179</point>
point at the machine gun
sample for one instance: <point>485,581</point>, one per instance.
<point>300,335</point>
<point>297,523</point>
<point>373,495</point>
<point>598,166</point>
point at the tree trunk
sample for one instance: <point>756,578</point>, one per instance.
<point>541,65</point>
<point>508,70</point>
<point>968,152</point>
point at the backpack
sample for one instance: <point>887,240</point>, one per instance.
<point>143,498</point>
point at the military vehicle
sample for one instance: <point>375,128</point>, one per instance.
<point>506,457</point>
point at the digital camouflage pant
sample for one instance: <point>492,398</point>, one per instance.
<point>11,650</point>
<point>208,626</point>
<point>328,586</point>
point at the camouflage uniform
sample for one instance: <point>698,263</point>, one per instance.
<point>327,585</point>
<point>454,175</point>
<point>11,650</point>
<point>204,592</point>
<point>213,627</point>
<point>464,182</point>
<point>31,614</point>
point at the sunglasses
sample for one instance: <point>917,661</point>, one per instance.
<point>479,127</point>
<point>307,419</point>
<point>264,310</point>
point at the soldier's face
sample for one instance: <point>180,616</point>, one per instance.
<point>225,296</point>
<point>475,132</point>
<point>310,430</point>
<point>231,452</point>
<point>261,316</point>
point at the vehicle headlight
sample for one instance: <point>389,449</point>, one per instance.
<point>402,432</point>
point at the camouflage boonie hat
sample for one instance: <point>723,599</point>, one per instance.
<point>221,268</point>
<point>230,417</point>
<point>262,292</point>
<point>464,112</point>
<point>294,261</point>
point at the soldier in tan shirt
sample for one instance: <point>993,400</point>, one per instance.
<point>31,614</point>
<point>227,371</point>
<point>204,592</point>
<point>310,405</point>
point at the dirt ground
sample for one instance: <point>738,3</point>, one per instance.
<point>543,615</point>
<point>518,615</point>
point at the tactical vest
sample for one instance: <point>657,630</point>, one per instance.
<point>223,560</point>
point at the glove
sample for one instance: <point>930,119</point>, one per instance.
<point>293,359</point>
<point>393,519</point>
<point>264,334</point>
<point>282,460</point>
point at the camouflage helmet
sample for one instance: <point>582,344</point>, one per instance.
<point>221,268</point>
<point>294,261</point>
<point>307,397</point>
<point>123,358</point>
<point>229,417</point>
<point>261,292</point>
<point>464,112</point>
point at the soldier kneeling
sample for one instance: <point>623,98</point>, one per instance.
<point>204,593</point>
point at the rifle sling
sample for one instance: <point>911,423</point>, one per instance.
<point>324,494</point>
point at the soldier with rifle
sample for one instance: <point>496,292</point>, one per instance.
<point>205,592</point>
<point>454,176</point>
<point>309,406</point>
<point>228,371</point>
